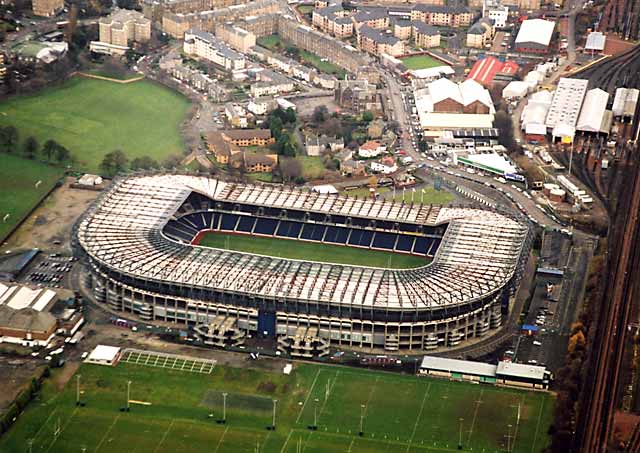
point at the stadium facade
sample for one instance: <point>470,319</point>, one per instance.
<point>139,244</point>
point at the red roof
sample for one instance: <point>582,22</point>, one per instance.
<point>485,70</point>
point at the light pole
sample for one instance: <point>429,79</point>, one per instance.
<point>224,408</point>
<point>78,390</point>
<point>362,409</point>
<point>509,438</point>
<point>315,415</point>
<point>273,422</point>
<point>128,394</point>
<point>460,435</point>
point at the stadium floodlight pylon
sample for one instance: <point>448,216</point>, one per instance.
<point>460,434</point>
<point>362,412</point>
<point>223,420</point>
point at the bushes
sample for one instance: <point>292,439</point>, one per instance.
<point>22,400</point>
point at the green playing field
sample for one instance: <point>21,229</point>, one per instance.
<point>311,251</point>
<point>176,411</point>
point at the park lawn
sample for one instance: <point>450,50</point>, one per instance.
<point>93,117</point>
<point>431,196</point>
<point>305,9</point>
<point>312,167</point>
<point>18,192</point>
<point>396,412</point>
<point>271,42</point>
<point>363,192</point>
<point>420,62</point>
<point>311,251</point>
<point>322,66</point>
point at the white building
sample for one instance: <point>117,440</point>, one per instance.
<point>207,46</point>
<point>535,36</point>
<point>535,112</point>
<point>104,355</point>
<point>499,15</point>
<point>285,104</point>
<point>625,102</point>
<point>594,116</point>
<point>515,90</point>
<point>595,42</point>
<point>379,167</point>
<point>261,106</point>
<point>562,117</point>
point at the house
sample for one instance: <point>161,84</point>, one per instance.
<point>258,163</point>
<point>384,168</point>
<point>221,147</point>
<point>262,106</point>
<point>317,145</point>
<point>371,149</point>
<point>351,167</point>
<point>236,115</point>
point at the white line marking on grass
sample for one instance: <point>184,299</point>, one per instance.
<point>308,395</point>
<point>535,439</point>
<point>515,434</point>
<point>373,388</point>
<point>221,439</point>
<point>55,438</point>
<point>330,390</point>
<point>353,439</point>
<point>164,436</point>
<point>115,420</point>
<point>55,409</point>
<point>286,441</point>
<point>415,426</point>
<point>475,415</point>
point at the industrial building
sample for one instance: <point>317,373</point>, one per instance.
<point>504,373</point>
<point>625,102</point>
<point>534,36</point>
<point>534,115</point>
<point>595,42</point>
<point>594,116</point>
<point>565,107</point>
<point>148,264</point>
<point>488,69</point>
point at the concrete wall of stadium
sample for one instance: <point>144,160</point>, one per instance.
<point>295,329</point>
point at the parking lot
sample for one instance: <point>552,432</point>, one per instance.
<point>49,270</point>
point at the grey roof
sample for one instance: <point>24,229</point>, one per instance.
<point>458,366</point>
<point>26,319</point>
<point>442,9</point>
<point>425,29</point>
<point>220,46</point>
<point>377,35</point>
<point>520,370</point>
<point>365,15</point>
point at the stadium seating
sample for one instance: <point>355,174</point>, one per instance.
<point>384,240</point>
<point>288,229</point>
<point>246,224</point>
<point>265,225</point>
<point>405,243</point>
<point>229,222</point>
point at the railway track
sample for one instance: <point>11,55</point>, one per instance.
<point>617,71</point>
<point>621,17</point>
<point>595,423</point>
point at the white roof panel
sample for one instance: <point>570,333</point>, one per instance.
<point>593,111</point>
<point>103,353</point>
<point>595,41</point>
<point>520,370</point>
<point>537,31</point>
<point>458,366</point>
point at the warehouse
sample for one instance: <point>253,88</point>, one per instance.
<point>625,102</point>
<point>534,116</point>
<point>594,116</point>
<point>562,117</point>
<point>535,36</point>
<point>490,69</point>
<point>25,316</point>
<point>595,42</point>
<point>515,90</point>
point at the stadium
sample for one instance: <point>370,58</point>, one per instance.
<point>139,242</point>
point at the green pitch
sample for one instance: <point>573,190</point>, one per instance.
<point>93,117</point>
<point>398,413</point>
<point>421,62</point>
<point>18,178</point>
<point>311,251</point>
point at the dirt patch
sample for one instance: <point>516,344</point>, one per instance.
<point>15,374</point>
<point>614,45</point>
<point>49,226</point>
<point>61,378</point>
<point>267,387</point>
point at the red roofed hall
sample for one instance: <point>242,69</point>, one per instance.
<point>488,69</point>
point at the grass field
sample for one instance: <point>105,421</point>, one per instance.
<point>287,248</point>
<point>93,117</point>
<point>401,413</point>
<point>323,66</point>
<point>271,42</point>
<point>18,193</point>
<point>420,62</point>
<point>431,196</point>
<point>312,167</point>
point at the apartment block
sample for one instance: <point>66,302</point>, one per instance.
<point>237,37</point>
<point>443,16</point>
<point>47,8</point>
<point>119,29</point>
<point>425,36</point>
<point>206,46</point>
<point>377,42</point>
<point>481,33</point>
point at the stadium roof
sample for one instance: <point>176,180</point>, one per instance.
<point>593,117</point>
<point>458,366</point>
<point>595,41</point>
<point>123,232</point>
<point>535,31</point>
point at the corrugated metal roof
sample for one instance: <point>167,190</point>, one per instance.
<point>595,41</point>
<point>510,369</point>
<point>458,366</point>
<point>593,111</point>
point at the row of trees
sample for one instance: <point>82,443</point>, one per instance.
<point>51,151</point>
<point>117,161</point>
<point>281,124</point>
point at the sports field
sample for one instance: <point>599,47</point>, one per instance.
<point>177,411</point>
<point>310,251</point>
<point>93,117</point>
<point>18,191</point>
<point>420,62</point>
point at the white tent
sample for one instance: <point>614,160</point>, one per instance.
<point>515,90</point>
<point>593,113</point>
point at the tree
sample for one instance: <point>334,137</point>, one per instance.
<point>275,126</point>
<point>31,147</point>
<point>70,29</point>
<point>114,162</point>
<point>290,116</point>
<point>173,161</point>
<point>320,113</point>
<point>332,126</point>
<point>290,169</point>
<point>143,163</point>
<point>502,122</point>
<point>9,138</point>
<point>62,154</point>
<point>284,146</point>
<point>49,149</point>
<point>367,116</point>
